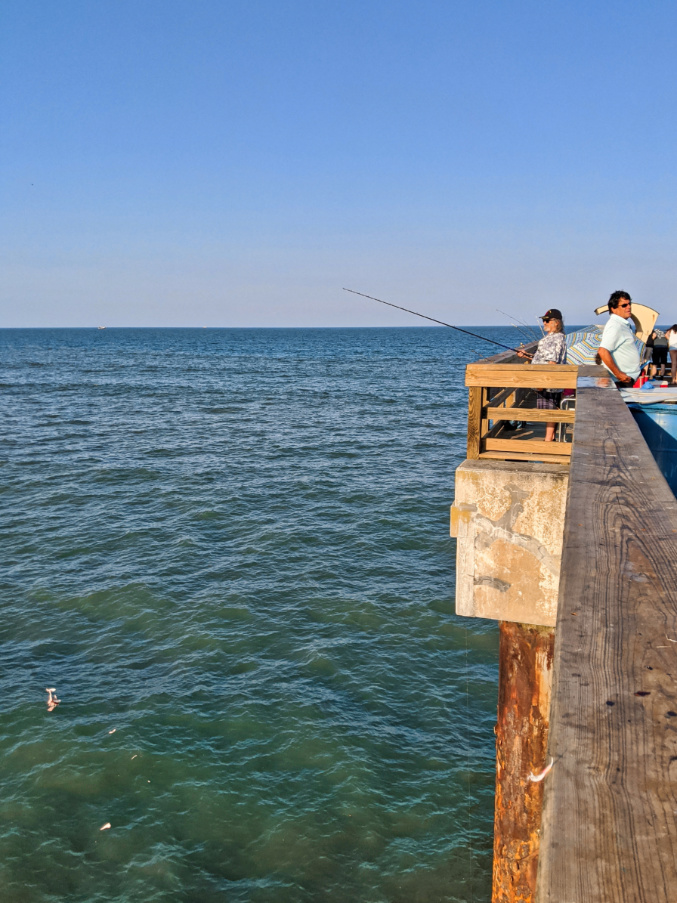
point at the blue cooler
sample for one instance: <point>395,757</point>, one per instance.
<point>658,425</point>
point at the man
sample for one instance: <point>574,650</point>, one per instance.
<point>617,349</point>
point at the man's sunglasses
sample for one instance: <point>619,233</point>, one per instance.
<point>548,319</point>
<point>629,304</point>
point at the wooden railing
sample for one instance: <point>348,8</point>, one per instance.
<point>502,392</point>
<point>608,831</point>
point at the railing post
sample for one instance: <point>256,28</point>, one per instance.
<point>474,421</point>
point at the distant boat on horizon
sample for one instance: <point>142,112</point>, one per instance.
<point>100,327</point>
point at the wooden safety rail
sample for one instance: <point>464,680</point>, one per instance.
<point>501,392</point>
<point>609,828</point>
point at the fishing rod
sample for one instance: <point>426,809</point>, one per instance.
<point>537,332</point>
<point>527,330</point>
<point>522,332</point>
<point>441,322</point>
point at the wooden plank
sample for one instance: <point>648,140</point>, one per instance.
<point>520,456</point>
<point>528,380</point>
<point>504,396</point>
<point>536,376</point>
<point>530,415</point>
<point>474,422</point>
<point>608,828</point>
<point>495,431</point>
<point>592,370</point>
<point>484,422</point>
<point>531,445</point>
<point>530,431</point>
<point>524,365</point>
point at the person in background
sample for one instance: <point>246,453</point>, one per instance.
<point>648,353</point>
<point>552,349</point>
<point>671,336</point>
<point>617,350</point>
<point>658,344</point>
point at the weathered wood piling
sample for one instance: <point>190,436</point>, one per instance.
<point>524,683</point>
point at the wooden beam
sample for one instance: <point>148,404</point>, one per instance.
<point>535,376</point>
<point>528,445</point>
<point>504,396</point>
<point>608,827</point>
<point>474,422</point>
<point>592,371</point>
<point>521,456</point>
<point>484,421</point>
<point>517,368</point>
<point>530,415</point>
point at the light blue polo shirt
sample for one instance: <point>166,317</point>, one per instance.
<point>619,339</point>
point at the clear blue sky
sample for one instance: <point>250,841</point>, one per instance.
<point>212,162</point>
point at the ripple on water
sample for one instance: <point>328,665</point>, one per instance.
<point>226,549</point>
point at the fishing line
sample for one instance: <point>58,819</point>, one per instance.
<point>536,333</point>
<point>526,331</point>
<point>515,320</point>
<point>441,322</point>
<point>467,763</point>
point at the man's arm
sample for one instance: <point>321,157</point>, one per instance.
<point>611,364</point>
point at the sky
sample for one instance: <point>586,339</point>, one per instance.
<point>240,162</point>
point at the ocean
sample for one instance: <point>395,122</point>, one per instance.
<point>228,550</point>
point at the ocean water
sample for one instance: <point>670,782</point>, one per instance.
<point>228,551</point>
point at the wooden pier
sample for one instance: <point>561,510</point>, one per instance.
<point>574,551</point>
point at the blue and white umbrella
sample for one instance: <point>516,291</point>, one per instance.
<point>583,345</point>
